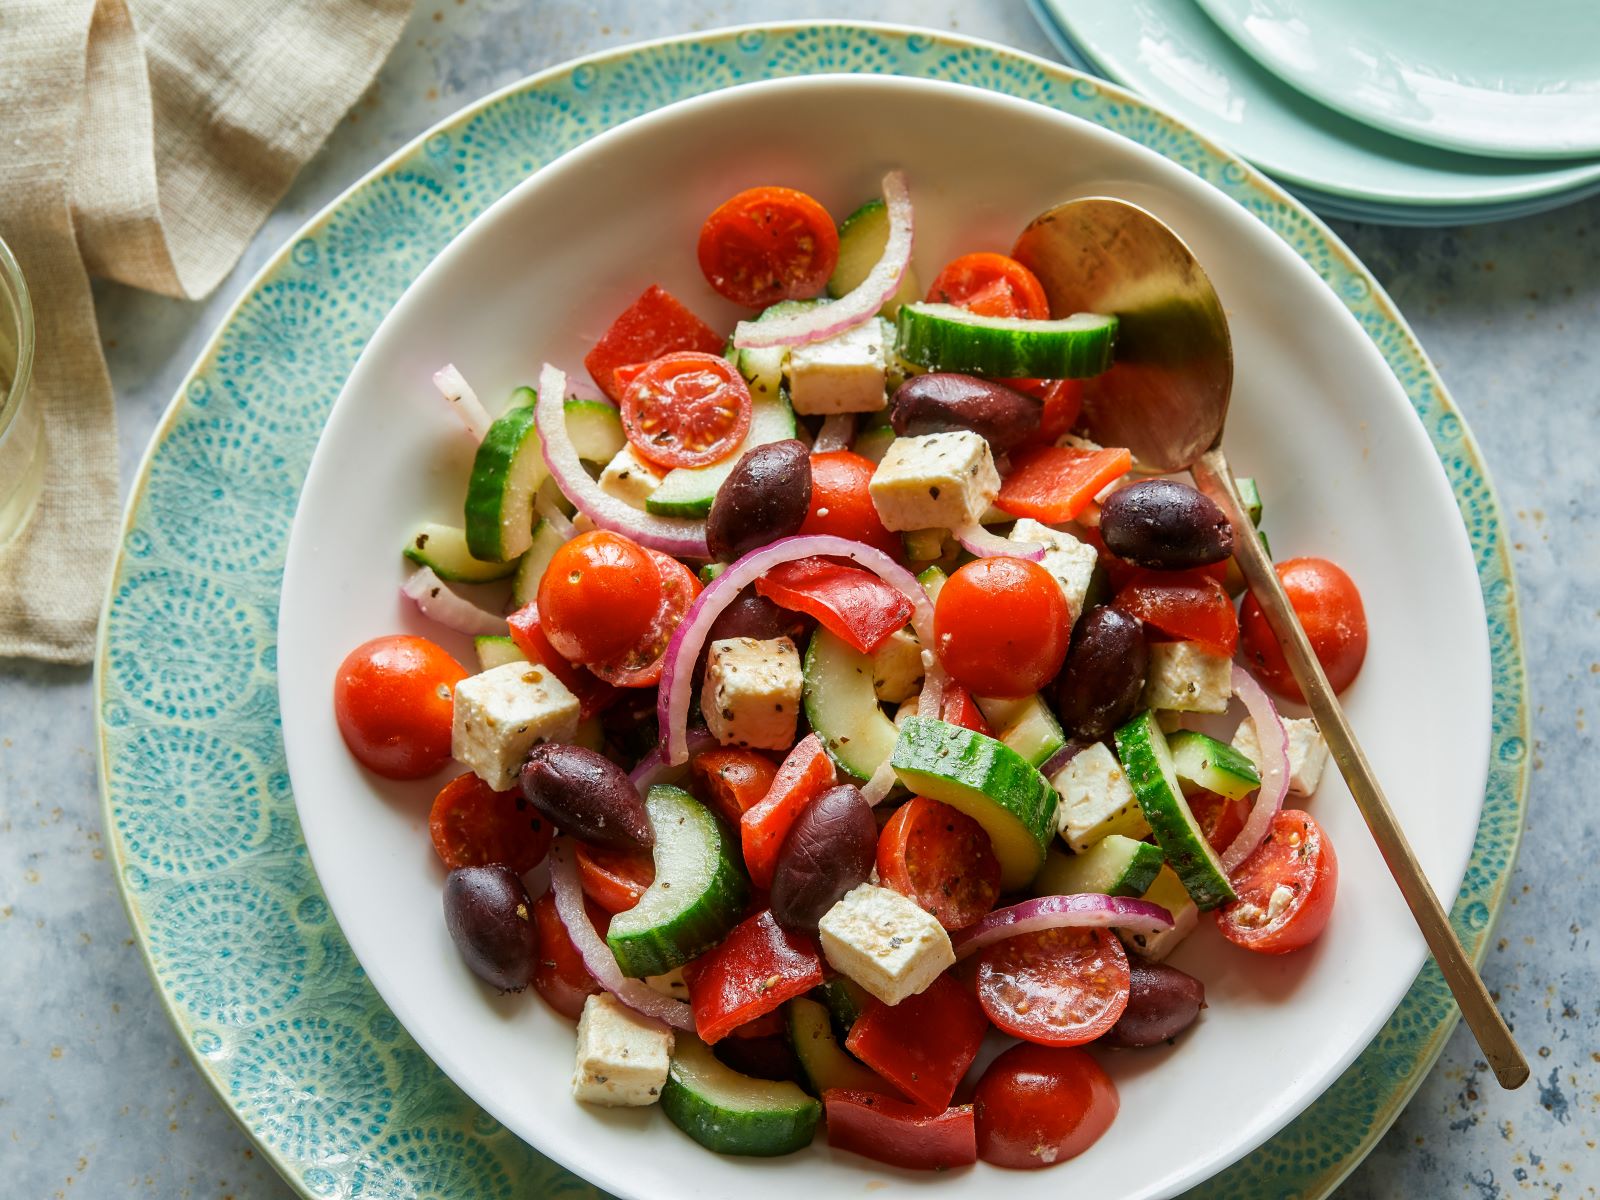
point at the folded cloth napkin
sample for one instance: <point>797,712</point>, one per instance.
<point>143,141</point>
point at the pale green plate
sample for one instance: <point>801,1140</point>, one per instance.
<point>256,975</point>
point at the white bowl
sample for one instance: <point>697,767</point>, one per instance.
<point>1317,417</point>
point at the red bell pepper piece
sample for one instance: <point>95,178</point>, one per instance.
<point>733,780</point>
<point>898,1133</point>
<point>851,603</point>
<point>1063,401</point>
<point>924,1044</point>
<point>1189,605</point>
<point>956,707</point>
<point>804,775</point>
<point>754,970</point>
<point>594,694</point>
<point>1056,483</point>
<point>558,973</point>
<point>653,325</point>
<point>766,1025</point>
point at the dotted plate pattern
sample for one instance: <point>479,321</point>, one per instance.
<point>255,974</point>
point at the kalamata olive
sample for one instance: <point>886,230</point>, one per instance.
<point>588,796</point>
<point>1100,682</point>
<point>1162,1002</point>
<point>765,498</point>
<point>827,851</point>
<point>1165,524</point>
<point>490,918</point>
<point>943,400</point>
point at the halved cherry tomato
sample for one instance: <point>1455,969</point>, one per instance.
<point>394,698</point>
<point>841,504</point>
<point>594,695</point>
<point>991,285</point>
<point>898,1132</point>
<point>1057,987</point>
<point>614,879</point>
<point>558,973</point>
<point>1221,819</point>
<point>753,971</point>
<point>686,409</point>
<point>768,244</point>
<point>1063,401</point>
<point>805,774</point>
<point>850,602</point>
<point>733,780</point>
<point>956,707</point>
<point>653,325</point>
<point>942,859</point>
<point>924,1044</point>
<point>472,825</point>
<point>1296,863</point>
<point>1329,607</point>
<point>1000,626</point>
<point>1041,1105</point>
<point>1187,605</point>
<point>1056,483</point>
<point>641,665</point>
<point>599,597</point>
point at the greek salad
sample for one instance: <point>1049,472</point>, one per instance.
<point>862,708</point>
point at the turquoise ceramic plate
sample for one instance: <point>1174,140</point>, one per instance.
<point>1171,53</point>
<point>256,976</point>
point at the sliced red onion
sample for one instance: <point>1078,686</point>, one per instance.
<point>986,543</point>
<point>881,783</point>
<point>653,767</point>
<point>463,400</point>
<point>677,679</point>
<point>854,307</point>
<point>930,703</point>
<point>559,522</point>
<point>596,955</point>
<point>1088,911</point>
<point>1063,756</point>
<point>439,603</point>
<point>677,536</point>
<point>1274,740</point>
<point>836,433</point>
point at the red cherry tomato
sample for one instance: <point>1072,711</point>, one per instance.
<point>1057,987</point>
<point>393,698</point>
<point>1188,605</point>
<point>1329,607</point>
<point>641,665</point>
<point>841,504</point>
<point>558,973</point>
<point>614,879</point>
<point>991,285</point>
<point>686,409</point>
<point>768,244</point>
<point>472,825</point>
<point>599,597</point>
<point>1221,819</point>
<point>1041,1105</point>
<point>1297,863</point>
<point>732,781</point>
<point>1001,626</point>
<point>942,859</point>
<point>1063,401</point>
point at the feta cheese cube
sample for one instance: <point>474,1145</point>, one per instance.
<point>1308,752</point>
<point>501,714</point>
<point>1069,561</point>
<point>841,374</point>
<point>1096,800</point>
<point>897,667</point>
<point>751,695</point>
<point>885,942</point>
<point>943,479</point>
<point>1185,678</point>
<point>629,478</point>
<point>622,1057</point>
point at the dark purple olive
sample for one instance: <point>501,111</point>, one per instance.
<point>490,918</point>
<point>1099,684</point>
<point>1162,1002</point>
<point>765,498</point>
<point>588,796</point>
<point>943,400</point>
<point>1164,524</point>
<point>828,851</point>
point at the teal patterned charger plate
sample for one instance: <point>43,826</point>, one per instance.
<point>255,973</point>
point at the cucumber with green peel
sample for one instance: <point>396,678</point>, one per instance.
<point>1251,495</point>
<point>923,544</point>
<point>987,780</point>
<point>862,237</point>
<point>763,368</point>
<point>506,472</point>
<point>825,1062</point>
<point>1204,762</point>
<point>711,570</point>
<point>689,491</point>
<point>942,337</point>
<point>595,428</point>
<point>932,580</point>
<point>1026,725</point>
<point>843,708</point>
<point>443,549</point>
<point>1113,866</point>
<point>1146,758</point>
<point>846,1000</point>
<point>731,1113</point>
<point>697,896</point>
<point>535,559</point>
<point>496,651</point>
<point>1167,891</point>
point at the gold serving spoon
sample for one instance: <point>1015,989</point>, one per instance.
<point>1166,400</point>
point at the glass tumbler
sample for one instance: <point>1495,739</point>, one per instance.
<point>21,431</point>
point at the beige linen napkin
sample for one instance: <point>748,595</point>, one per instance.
<point>144,141</point>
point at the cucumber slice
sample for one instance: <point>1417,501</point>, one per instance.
<point>825,1063</point>
<point>1026,725</point>
<point>923,545</point>
<point>843,708</point>
<point>846,1000</point>
<point>1169,893</point>
<point>763,369</point>
<point>862,237</point>
<point>1207,763</point>
<point>689,491</point>
<point>535,559</point>
<point>1251,495</point>
<point>595,428</point>
<point>1148,761</point>
<point>732,1113</point>
<point>496,651</point>
<point>932,581</point>
<point>444,549</point>
<point>987,780</point>
<point>711,570</point>
<point>1113,866</point>
<point>507,471</point>
<point>943,337</point>
<point>698,893</point>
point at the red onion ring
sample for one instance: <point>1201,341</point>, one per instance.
<point>653,767</point>
<point>835,434</point>
<point>1274,740</point>
<point>439,603</point>
<point>1088,911</point>
<point>454,387</point>
<point>986,543</point>
<point>546,510</point>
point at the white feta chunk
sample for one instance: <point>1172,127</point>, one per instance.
<point>501,714</point>
<point>622,1057</point>
<point>943,479</point>
<point>629,478</point>
<point>1072,441</point>
<point>897,667</point>
<point>1184,677</point>
<point>1308,751</point>
<point>885,942</point>
<point>1096,800</point>
<point>1169,893</point>
<point>842,374</point>
<point>751,695</point>
<point>1069,561</point>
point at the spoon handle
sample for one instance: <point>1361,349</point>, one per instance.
<point>1215,478</point>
